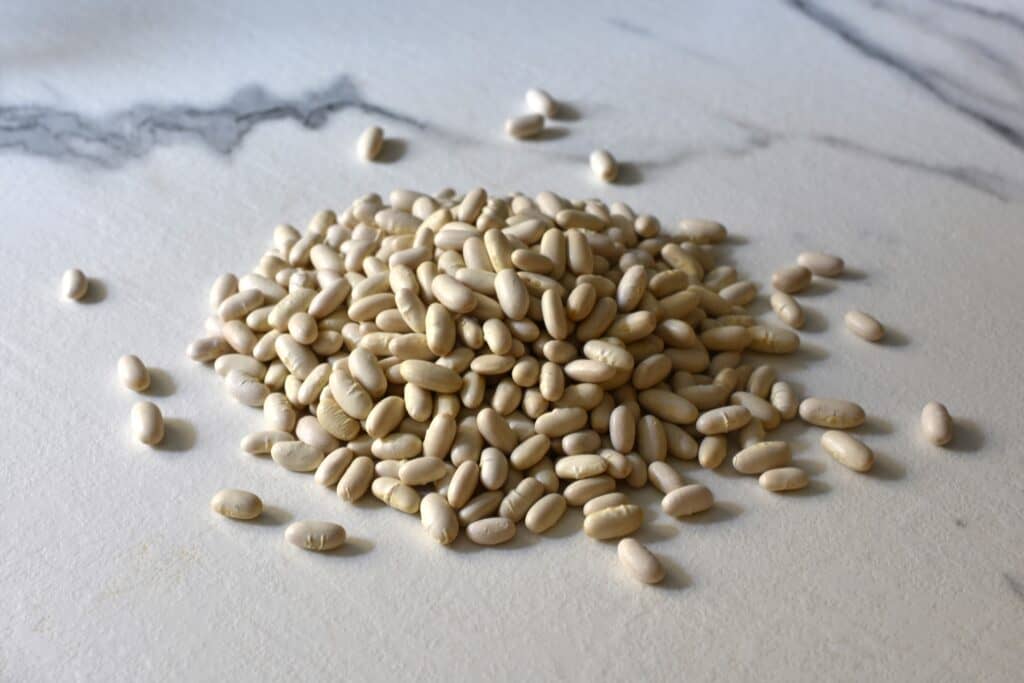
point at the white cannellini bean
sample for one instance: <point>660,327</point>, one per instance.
<point>369,144</point>
<point>641,563</point>
<point>133,373</point>
<point>791,279</point>
<point>317,536</point>
<point>864,325</point>
<point>820,263</point>
<point>783,479</point>
<point>74,284</point>
<point>832,413</point>
<point>541,102</point>
<point>603,165</point>
<point>936,423</point>
<point>147,423</point>
<point>848,450</point>
<point>525,126</point>
<point>491,531</point>
<point>613,522</point>
<point>237,504</point>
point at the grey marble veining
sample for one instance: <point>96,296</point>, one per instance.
<point>111,140</point>
<point>999,112</point>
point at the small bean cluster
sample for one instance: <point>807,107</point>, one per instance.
<point>483,361</point>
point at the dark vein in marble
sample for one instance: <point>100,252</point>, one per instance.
<point>112,140</point>
<point>1003,17</point>
<point>1016,586</point>
<point>981,180</point>
<point>626,26</point>
<point>923,77</point>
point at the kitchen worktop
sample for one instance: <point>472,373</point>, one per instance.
<point>155,146</point>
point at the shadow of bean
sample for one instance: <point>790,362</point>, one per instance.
<point>160,383</point>
<point>894,338</point>
<point>887,469</point>
<point>567,111</point>
<point>179,435</point>
<point>721,511</point>
<point>272,516</point>
<point>96,292</point>
<point>629,174</point>
<point>967,436</point>
<point>391,150</point>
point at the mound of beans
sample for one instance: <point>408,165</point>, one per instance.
<point>486,361</point>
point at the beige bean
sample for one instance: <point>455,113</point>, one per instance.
<point>864,325</point>
<point>395,494</point>
<point>848,450</point>
<point>762,456</point>
<point>147,423</point>
<point>668,406</point>
<point>541,102</point>
<point>370,142</point>
<point>832,413</point>
<point>463,483</point>
<point>783,479</point>
<point>421,470</point>
<point>315,535</point>
<point>296,456</point>
<point>332,467</point>
<point>787,308</point>
<point>820,263</point>
<point>512,294</point>
<point>530,451</point>
<point>438,518</point>
<point>580,466</point>
<point>711,452</point>
<point>579,492</point>
<point>397,446</point>
<point>791,279</point>
<point>603,165</point>
<point>74,284</point>
<point>260,443</point>
<point>561,421</point>
<point>133,373</point>
<point>702,231</point>
<point>936,423</point>
<point>356,480</point>
<point>613,522</point>
<point>525,126</point>
<point>640,562</point>
<point>604,501</point>
<point>491,531</point>
<point>687,500</point>
<point>664,477</point>
<point>236,504</point>
<point>784,400</point>
<point>545,513</point>
<point>430,376</point>
<point>723,420</point>
<point>520,499</point>
<point>752,433</point>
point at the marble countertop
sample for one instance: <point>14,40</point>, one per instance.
<point>155,145</point>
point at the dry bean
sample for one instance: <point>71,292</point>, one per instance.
<point>236,504</point>
<point>315,535</point>
<point>848,450</point>
<point>936,423</point>
<point>641,563</point>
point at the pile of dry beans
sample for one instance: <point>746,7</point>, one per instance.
<point>483,361</point>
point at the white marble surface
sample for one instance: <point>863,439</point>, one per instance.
<point>155,146</point>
